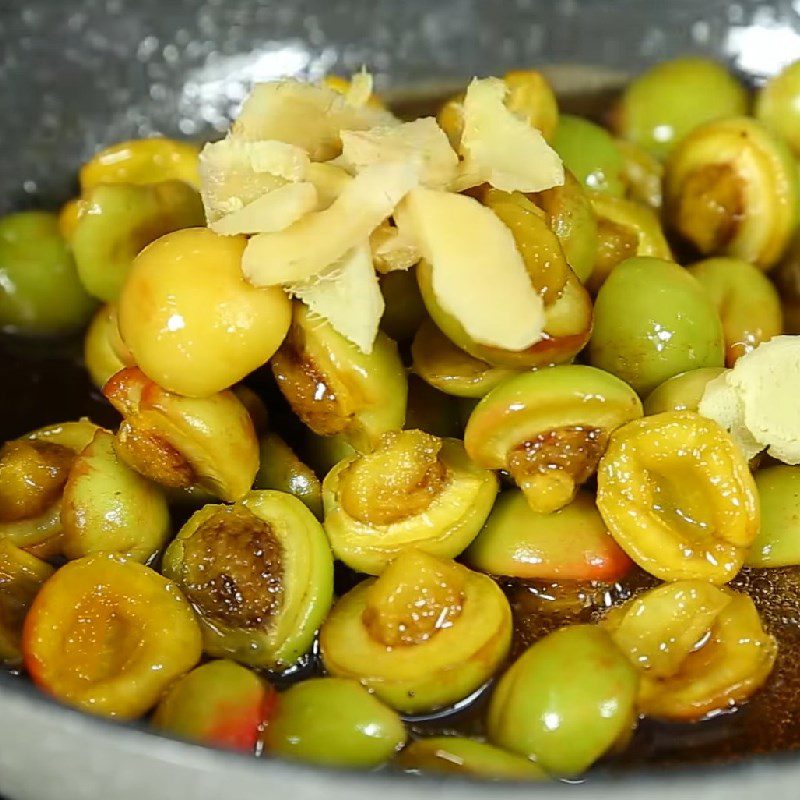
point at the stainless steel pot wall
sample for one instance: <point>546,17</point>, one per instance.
<point>75,74</point>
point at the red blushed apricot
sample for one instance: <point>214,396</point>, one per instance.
<point>571,544</point>
<point>108,635</point>
<point>220,703</point>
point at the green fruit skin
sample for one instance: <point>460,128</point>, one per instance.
<point>430,410</point>
<point>404,311</point>
<point>219,703</point>
<point>566,701</point>
<point>778,540</point>
<point>653,320</point>
<point>589,152</point>
<point>336,722</point>
<point>40,293</point>
<point>681,392</point>
<point>778,105</point>
<point>457,755</point>
<point>662,105</point>
<point>280,469</point>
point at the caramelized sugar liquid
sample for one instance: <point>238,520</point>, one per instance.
<point>45,382</point>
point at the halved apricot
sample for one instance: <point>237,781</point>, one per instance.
<point>108,635</point>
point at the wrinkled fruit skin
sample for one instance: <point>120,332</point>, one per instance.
<point>108,635</point>
<point>333,721</point>
<point>566,701</point>
<point>678,496</point>
<point>672,327</point>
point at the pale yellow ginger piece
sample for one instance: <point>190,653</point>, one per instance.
<point>234,174</point>
<point>348,296</point>
<point>500,148</point>
<point>421,142</point>
<point>477,272</point>
<point>756,401</point>
<point>393,248</point>
<point>359,91</point>
<point>323,237</point>
<point>310,116</point>
<point>329,180</point>
<point>271,212</point>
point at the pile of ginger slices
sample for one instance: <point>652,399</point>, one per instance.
<point>331,189</point>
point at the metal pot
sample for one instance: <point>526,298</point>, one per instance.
<point>76,74</point>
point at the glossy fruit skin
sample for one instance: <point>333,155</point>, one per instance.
<point>438,663</point>
<point>670,99</point>
<point>42,295</point>
<point>141,162</point>
<point>184,442</point>
<point>448,368</point>
<point>531,97</point>
<point>699,649</point>
<point>778,540</point>
<point>413,491</point>
<point>333,721</point>
<point>590,154</point>
<point>746,300</point>
<point>272,553</point>
<point>336,389</point>
<point>108,635</point>
<point>570,216</point>
<point>191,321</point>
<point>624,229</point>
<point>571,544</point>
<point>731,188</point>
<point>778,104</point>
<point>566,701</point>
<point>322,453</point>
<point>108,507</point>
<point>38,527</point>
<point>21,577</point>
<point>678,496</point>
<point>681,392</point>
<point>220,703</point>
<point>116,221</point>
<point>567,327</point>
<point>459,756</point>
<point>671,327</point>
<point>280,469</point>
<point>99,355</point>
<point>548,428</point>
<point>642,174</point>
<point>404,311</point>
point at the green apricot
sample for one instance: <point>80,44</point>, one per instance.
<point>670,99</point>
<point>219,703</point>
<point>334,721</point>
<point>681,392</point>
<point>404,311</point>
<point>281,469</point>
<point>653,320</point>
<point>457,755</point>
<point>40,293</point>
<point>778,540</point>
<point>589,152</point>
<point>566,701</point>
<point>778,105</point>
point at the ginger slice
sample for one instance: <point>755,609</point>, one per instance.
<point>348,296</point>
<point>501,149</point>
<point>234,174</point>
<point>393,248</point>
<point>477,272</point>
<point>322,238</point>
<point>273,211</point>
<point>422,142</point>
<point>308,115</point>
